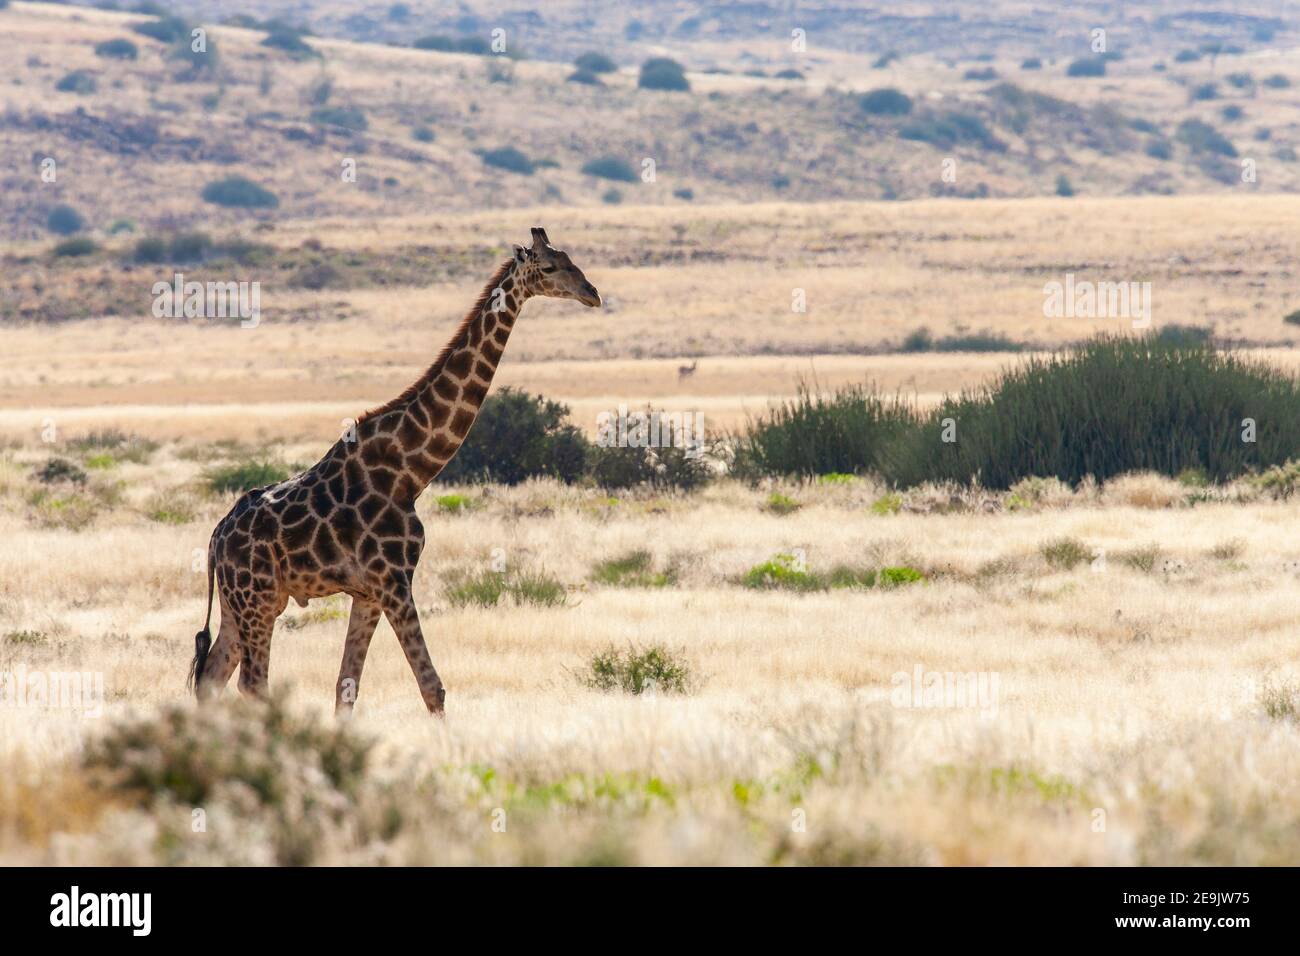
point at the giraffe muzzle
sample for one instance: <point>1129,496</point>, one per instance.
<point>589,296</point>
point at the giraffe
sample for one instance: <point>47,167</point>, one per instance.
<point>348,523</point>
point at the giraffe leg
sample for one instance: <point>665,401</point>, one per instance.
<point>255,659</point>
<point>222,661</point>
<point>399,608</point>
<point>361,627</point>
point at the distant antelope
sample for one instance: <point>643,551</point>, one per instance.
<point>686,371</point>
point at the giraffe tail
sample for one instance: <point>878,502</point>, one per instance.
<point>202,640</point>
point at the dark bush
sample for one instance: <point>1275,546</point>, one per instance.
<point>64,220</point>
<point>610,167</point>
<point>885,102</point>
<point>343,117</point>
<point>585,77</point>
<point>953,129</point>
<point>1277,82</point>
<point>165,29</point>
<point>508,158</point>
<point>1087,66</point>
<point>1205,91</point>
<point>240,193</point>
<point>1204,138</point>
<point>76,246</point>
<point>595,63</point>
<point>78,81</point>
<point>519,436</point>
<point>423,134</point>
<point>661,73</point>
<point>984,73</point>
<point>119,49</point>
<point>289,40</point>
<point>1032,63</point>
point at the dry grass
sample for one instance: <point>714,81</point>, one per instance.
<point>1150,695</point>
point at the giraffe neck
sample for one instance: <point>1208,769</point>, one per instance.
<point>430,420</point>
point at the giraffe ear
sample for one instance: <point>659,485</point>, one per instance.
<point>520,253</point>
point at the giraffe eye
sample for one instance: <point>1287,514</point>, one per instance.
<point>549,268</point>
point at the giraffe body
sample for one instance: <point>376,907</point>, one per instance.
<point>348,524</point>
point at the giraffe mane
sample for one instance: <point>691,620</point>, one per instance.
<point>435,369</point>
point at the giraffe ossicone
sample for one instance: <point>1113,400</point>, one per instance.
<point>348,524</point>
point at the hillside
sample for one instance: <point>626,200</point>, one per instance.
<point>136,140</point>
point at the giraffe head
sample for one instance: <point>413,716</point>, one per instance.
<point>545,270</point>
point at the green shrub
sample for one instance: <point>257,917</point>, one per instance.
<point>782,572</point>
<point>1292,318</point>
<point>488,588</point>
<point>595,63</point>
<point>78,81</point>
<point>343,117</point>
<point>1065,553</point>
<point>981,73</point>
<point>519,436</point>
<point>1277,82</point>
<point>241,476</point>
<point>63,220</point>
<point>1205,91</point>
<point>508,158</point>
<point>610,167</point>
<point>454,504</point>
<point>890,504</point>
<point>1031,63</point>
<point>119,49</point>
<point>76,246</point>
<point>779,504</point>
<point>611,197</point>
<point>1110,406</point>
<point>899,577</point>
<point>1063,186</point>
<point>661,73</point>
<point>636,670</point>
<point>1187,56</point>
<point>239,192</point>
<point>885,102</point>
<point>585,77</point>
<point>816,434</point>
<point>423,134</point>
<point>632,570</point>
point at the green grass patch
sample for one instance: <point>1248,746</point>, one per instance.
<point>492,588</point>
<point>241,476</point>
<point>779,504</point>
<point>632,570</point>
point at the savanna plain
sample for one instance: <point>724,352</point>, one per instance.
<point>755,670</point>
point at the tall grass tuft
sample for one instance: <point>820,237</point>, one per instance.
<point>1110,406</point>
<point>817,434</point>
